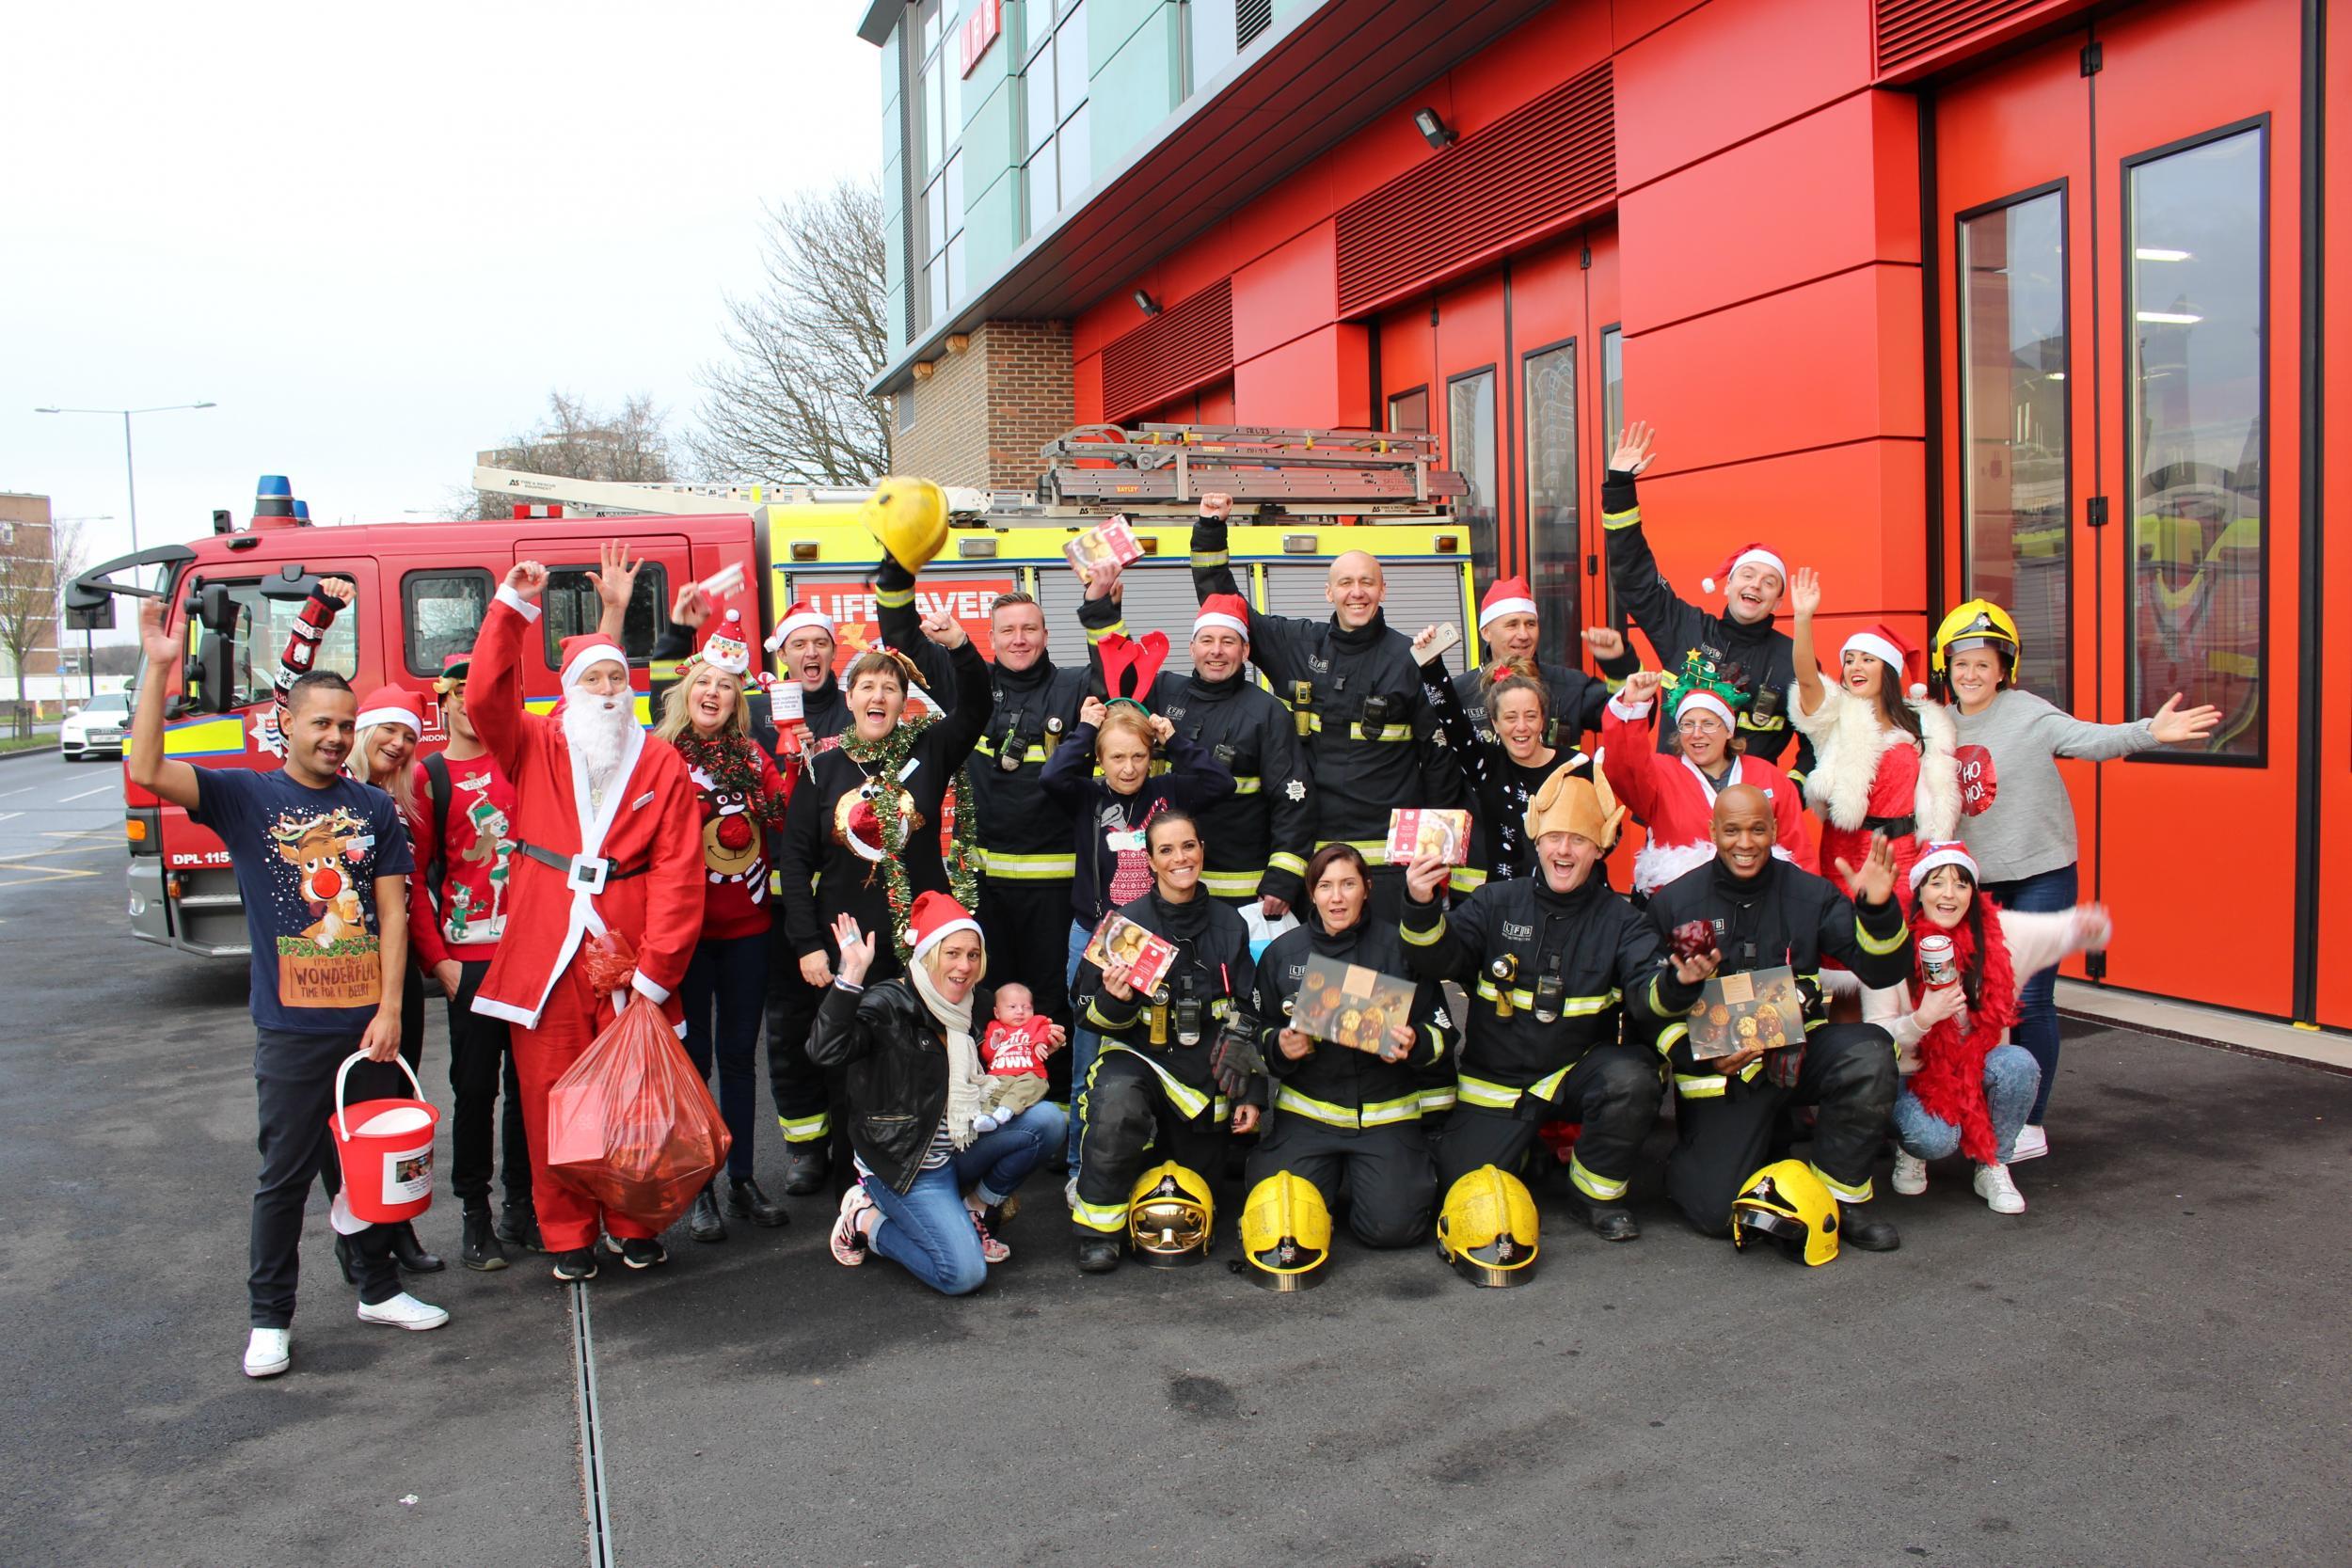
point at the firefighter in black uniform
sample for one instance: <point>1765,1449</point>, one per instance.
<point>1340,1110</point>
<point>1364,727</point>
<point>1763,913</point>
<point>1258,837</point>
<point>1155,1085</point>
<point>1752,577</point>
<point>1512,637</point>
<point>1554,961</point>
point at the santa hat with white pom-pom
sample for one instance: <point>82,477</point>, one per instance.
<point>1890,647</point>
<point>1751,554</point>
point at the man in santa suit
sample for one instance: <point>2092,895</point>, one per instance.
<point>608,839</point>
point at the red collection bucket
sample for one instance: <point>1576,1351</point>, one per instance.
<point>386,1150</point>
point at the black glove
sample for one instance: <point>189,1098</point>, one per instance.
<point>1236,1060</point>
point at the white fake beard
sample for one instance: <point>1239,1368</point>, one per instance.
<point>598,729</point>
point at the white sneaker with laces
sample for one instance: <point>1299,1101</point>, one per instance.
<point>1910,1173</point>
<point>268,1352</point>
<point>1999,1193</point>
<point>403,1311</point>
<point>2032,1144</point>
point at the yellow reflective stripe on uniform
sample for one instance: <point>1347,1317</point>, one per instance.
<point>894,598</point>
<point>803,1130</point>
<point>1388,731</point>
<point>1466,878</point>
<point>1369,846</point>
<point>1094,1016</point>
<point>1210,558</point>
<point>1096,634</point>
<point>1593,1185</point>
<point>1672,1035</point>
<point>1438,1097</point>
<point>1186,1099</point>
<point>1880,945</point>
<point>1630,518</point>
<point>1283,860</point>
<point>1424,939</point>
<point>1231,884</point>
<point>1247,783</point>
<point>1028,868</point>
<point>1501,1097</point>
<point>1109,1217</point>
<point>1699,1085</point>
<point>1378,1113</point>
<point>987,749</point>
<point>1657,996</point>
<point>1839,1190</point>
<point>1519,998</point>
<point>664,669</point>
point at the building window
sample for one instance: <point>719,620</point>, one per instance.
<point>1212,38</point>
<point>1611,389</point>
<point>1551,516</point>
<point>2197,332</point>
<point>936,172</point>
<point>2013,417</point>
<point>1057,152</point>
<point>1469,418</point>
<point>441,612</point>
<point>257,641</point>
<point>1410,411</point>
<point>571,608</point>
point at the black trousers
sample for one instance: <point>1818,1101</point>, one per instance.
<point>480,1060</point>
<point>294,1088</point>
<point>1391,1186</point>
<point>1027,927</point>
<point>797,1084</point>
<point>1612,1093</point>
<point>1131,1126</point>
<point>1847,1074</point>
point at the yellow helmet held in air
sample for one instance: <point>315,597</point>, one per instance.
<point>1785,1204</point>
<point>909,518</point>
<point>1977,624</point>
<point>1285,1233</point>
<point>1487,1229</point>
<point>1170,1216</point>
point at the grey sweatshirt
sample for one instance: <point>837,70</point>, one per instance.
<point>2015,815</point>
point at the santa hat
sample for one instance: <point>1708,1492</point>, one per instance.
<point>934,918</point>
<point>589,648</point>
<point>1887,645</point>
<point>1569,803</point>
<point>727,651</point>
<point>1755,554</point>
<point>393,705</point>
<point>1507,596</point>
<point>1223,610</point>
<point>1933,855</point>
<point>800,616</point>
<point>1709,701</point>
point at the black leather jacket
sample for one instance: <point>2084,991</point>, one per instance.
<point>896,1056</point>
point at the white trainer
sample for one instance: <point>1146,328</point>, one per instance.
<point>1910,1173</point>
<point>2032,1144</point>
<point>1999,1193</point>
<point>269,1351</point>
<point>403,1311</point>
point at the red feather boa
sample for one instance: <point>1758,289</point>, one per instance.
<point>1949,1084</point>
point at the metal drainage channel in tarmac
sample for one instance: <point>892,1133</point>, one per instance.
<point>597,1494</point>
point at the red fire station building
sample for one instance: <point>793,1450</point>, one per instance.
<point>1943,297</point>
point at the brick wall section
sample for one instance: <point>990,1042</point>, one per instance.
<point>982,417</point>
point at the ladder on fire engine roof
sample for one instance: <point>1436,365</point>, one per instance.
<point>1168,467</point>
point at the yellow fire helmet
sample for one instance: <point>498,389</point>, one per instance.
<point>1487,1229</point>
<point>1785,1204</point>
<point>1285,1233</point>
<point>909,518</point>
<point>1169,1217</point>
<point>1977,624</point>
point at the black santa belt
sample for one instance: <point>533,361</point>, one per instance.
<point>586,873</point>
<point>1893,827</point>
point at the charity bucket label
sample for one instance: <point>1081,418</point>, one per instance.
<point>409,1174</point>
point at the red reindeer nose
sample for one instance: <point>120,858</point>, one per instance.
<point>326,881</point>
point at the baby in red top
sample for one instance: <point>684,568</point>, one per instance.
<point>1013,1050</point>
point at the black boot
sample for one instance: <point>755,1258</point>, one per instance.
<point>745,1200</point>
<point>410,1252</point>
<point>703,1221</point>
<point>805,1168</point>
<point>1858,1229</point>
<point>1098,1254</point>
<point>518,1226</point>
<point>1611,1222</point>
<point>479,1248</point>
<point>343,1259</point>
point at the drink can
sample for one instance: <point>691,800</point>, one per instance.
<point>1935,962</point>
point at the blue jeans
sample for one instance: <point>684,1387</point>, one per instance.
<point>927,1228</point>
<point>1083,1043</point>
<point>2036,1026</point>
<point>730,975</point>
<point>2011,1077</point>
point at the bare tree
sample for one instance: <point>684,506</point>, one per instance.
<point>792,405</point>
<point>575,441</point>
<point>34,566</point>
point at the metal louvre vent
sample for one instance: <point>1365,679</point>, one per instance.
<point>1420,594</point>
<point>1910,30</point>
<point>1251,18</point>
<point>1539,168</point>
<point>1185,346</point>
<point>1159,597</point>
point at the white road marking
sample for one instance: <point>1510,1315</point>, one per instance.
<point>102,789</point>
<point>9,815</point>
<point>26,790</point>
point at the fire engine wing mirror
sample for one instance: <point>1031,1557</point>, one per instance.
<point>206,676</point>
<point>292,583</point>
<point>212,605</point>
<point>89,598</point>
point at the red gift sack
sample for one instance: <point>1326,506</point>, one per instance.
<point>630,1124</point>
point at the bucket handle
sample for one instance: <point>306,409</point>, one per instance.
<point>342,1122</point>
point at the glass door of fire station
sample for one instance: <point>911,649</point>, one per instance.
<point>2117,261</point>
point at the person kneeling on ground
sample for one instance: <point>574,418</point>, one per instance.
<point>1762,913</point>
<point>932,1186</point>
<point>1967,1086</point>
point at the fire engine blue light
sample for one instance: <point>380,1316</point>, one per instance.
<point>302,511</point>
<point>274,487</point>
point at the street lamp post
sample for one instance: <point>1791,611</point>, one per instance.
<point>129,472</point>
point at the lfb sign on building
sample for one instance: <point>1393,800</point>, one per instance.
<point>978,31</point>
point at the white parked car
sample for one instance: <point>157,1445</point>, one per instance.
<point>97,728</point>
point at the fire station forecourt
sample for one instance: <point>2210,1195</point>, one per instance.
<point>2146,1368</point>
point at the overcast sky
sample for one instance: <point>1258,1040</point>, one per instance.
<point>377,236</point>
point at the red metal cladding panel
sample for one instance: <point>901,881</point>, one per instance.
<point>1185,346</point>
<point>1537,169</point>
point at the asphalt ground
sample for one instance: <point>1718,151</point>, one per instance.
<point>2147,1367</point>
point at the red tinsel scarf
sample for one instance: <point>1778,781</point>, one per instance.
<point>1949,1084</point>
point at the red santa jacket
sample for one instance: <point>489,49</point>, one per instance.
<point>1672,801</point>
<point>648,840</point>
